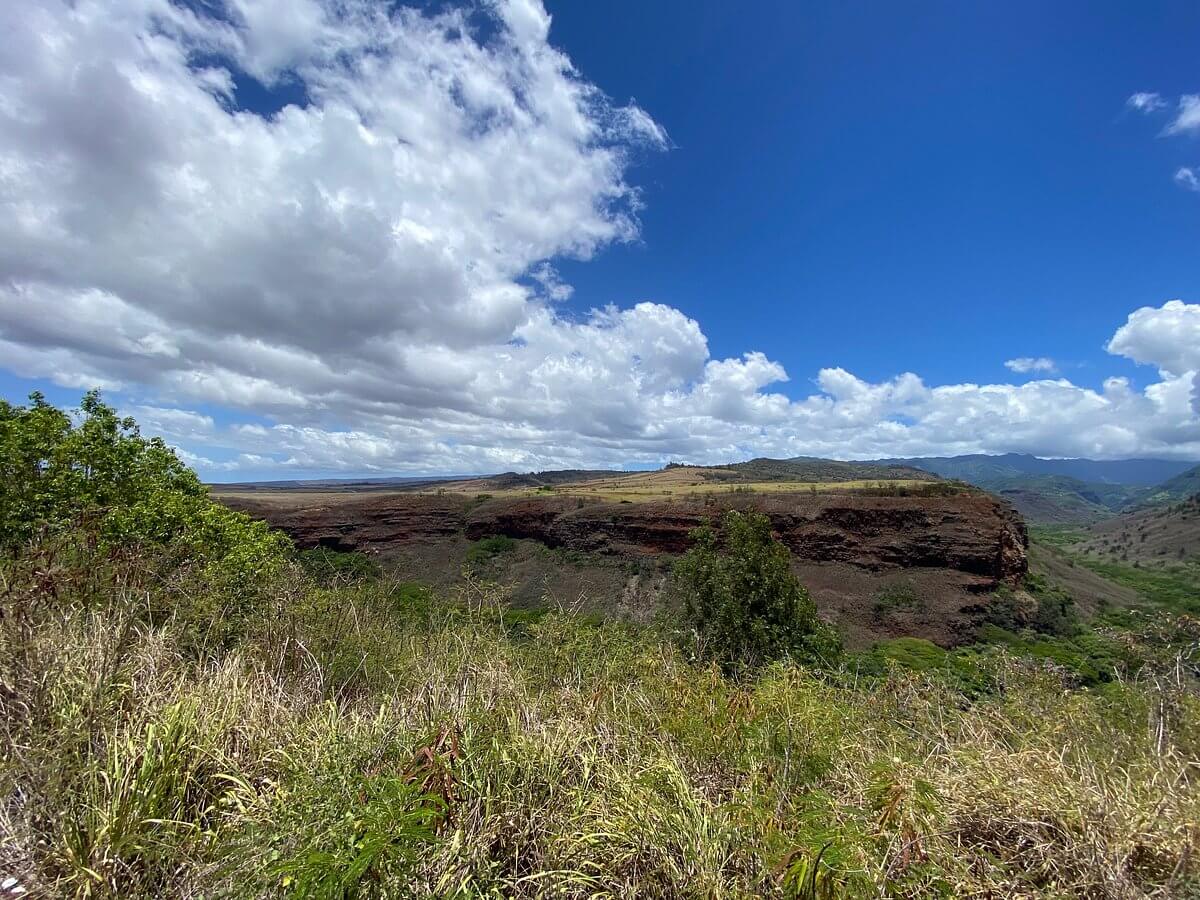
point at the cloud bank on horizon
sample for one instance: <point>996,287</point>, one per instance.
<point>366,276</point>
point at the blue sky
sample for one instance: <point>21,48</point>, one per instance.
<point>934,187</point>
<point>299,238</point>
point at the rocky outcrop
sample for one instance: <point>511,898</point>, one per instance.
<point>971,533</point>
<point>369,523</point>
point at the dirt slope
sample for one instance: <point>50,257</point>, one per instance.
<point>1091,592</point>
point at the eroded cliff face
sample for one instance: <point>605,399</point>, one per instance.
<point>970,533</point>
<point>850,549</point>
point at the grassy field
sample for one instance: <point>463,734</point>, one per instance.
<point>293,498</point>
<point>635,487</point>
<point>1172,583</point>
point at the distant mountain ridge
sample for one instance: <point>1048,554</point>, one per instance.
<point>1044,491</point>
<point>1048,491</point>
<point>1144,472</point>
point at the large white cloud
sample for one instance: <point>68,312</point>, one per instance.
<point>1167,337</point>
<point>637,386</point>
<point>369,271</point>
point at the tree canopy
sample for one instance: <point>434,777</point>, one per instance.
<point>93,469</point>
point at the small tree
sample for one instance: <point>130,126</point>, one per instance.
<point>742,601</point>
<point>60,472</point>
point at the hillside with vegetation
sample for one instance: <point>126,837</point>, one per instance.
<point>1060,499</point>
<point>1155,536</point>
<point>606,545</point>
<point>193,708</point>
<point>976,467</point>
<point>1182,487</point>
<point>1068,491</point>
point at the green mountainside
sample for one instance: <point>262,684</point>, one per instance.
<point>1181,487</point>
<point>978,466</point>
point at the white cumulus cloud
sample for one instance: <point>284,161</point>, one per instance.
<point>1167,337</point>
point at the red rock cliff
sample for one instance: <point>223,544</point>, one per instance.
<point>970,532</point>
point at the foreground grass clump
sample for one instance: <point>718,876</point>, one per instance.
<point>372,740</point>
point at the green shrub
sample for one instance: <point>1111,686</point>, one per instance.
<point>375,839</point>
<point>1052,611</point>
<point>899,595</point>
<point>411,597</point>
<point>742,602</point>
<point>488,548</point>
<point>54,471</point>
<point>1056,613</point>
<point>328,566</point>
<point>961,670</point>
<point>914,654</point>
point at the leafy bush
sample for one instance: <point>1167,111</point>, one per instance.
<point>349,832</point>
<point>97,472</point>
<point>54,471</point>
<point>1056,613</point>
<point>965,671</point>
<point>742,602</point>
<point>1043,608</point>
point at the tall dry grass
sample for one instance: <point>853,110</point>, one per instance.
<point>371,741</point>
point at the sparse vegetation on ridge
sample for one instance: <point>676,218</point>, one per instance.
<point>169,732</point>
<point>489,547</point>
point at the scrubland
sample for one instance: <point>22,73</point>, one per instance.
<point>191,709</point>
<point>369,739</point>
